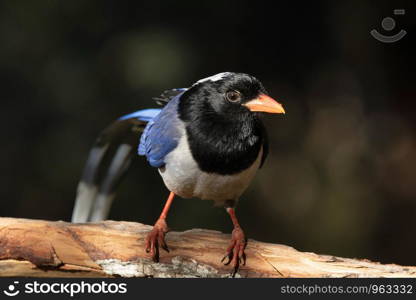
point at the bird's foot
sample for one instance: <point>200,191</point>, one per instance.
<point>235,251</point>
<point>156,239</point>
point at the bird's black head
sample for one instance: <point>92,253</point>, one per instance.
<point>227,96</point>
<point>220,113</point>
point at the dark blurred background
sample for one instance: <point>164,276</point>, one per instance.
<point>341,175</point>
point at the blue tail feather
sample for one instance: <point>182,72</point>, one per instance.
<point>145,115</point>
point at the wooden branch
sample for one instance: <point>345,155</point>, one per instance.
<point>50,249</point>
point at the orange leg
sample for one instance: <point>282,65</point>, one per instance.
<point>168,203</point>
<point>235,251</point>
<point>156,237</point>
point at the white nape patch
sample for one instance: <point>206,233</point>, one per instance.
<point>214,78</point>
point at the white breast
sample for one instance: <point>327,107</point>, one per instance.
<point>183,177</point>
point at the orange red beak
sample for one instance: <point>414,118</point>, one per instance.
<point>264,103</point>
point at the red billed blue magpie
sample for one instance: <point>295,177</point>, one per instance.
<point>207,142</point>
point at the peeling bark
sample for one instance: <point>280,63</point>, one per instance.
<point>38,248</point>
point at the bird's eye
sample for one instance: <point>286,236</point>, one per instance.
<point>233,96</point>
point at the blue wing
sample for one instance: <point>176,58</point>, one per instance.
<point>161,134</point>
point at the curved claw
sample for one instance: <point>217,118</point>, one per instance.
<point>156,238</point>
<point>235,251</point>
<point>229,259</point>
<point>162,243</point>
